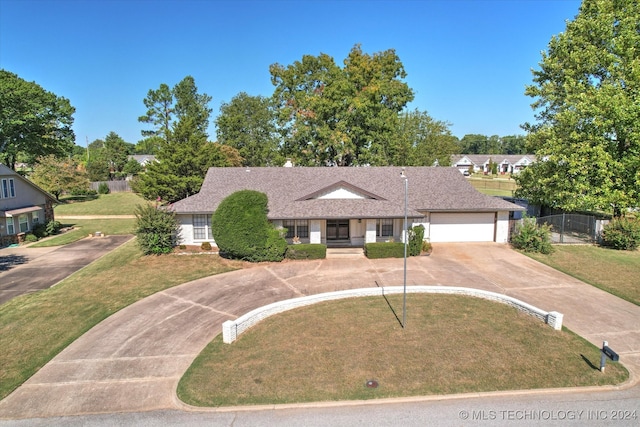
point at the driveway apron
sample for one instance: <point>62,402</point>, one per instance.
<point>133,360</point>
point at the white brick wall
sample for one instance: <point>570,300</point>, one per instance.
<point>231,329</point>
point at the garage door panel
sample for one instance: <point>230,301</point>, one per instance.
<point>462,227</point>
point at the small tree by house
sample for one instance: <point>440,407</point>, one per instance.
<point>531,237</point>
<point>156,229</point>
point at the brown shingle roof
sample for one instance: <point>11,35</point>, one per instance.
<point>433,189</point>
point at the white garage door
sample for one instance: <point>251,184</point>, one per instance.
<point>462,227</point>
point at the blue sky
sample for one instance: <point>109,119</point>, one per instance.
<point>468,61</point>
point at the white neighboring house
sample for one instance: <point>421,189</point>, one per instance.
<point>22,205</point>
<point>351,206</point>
<point>507,163</point>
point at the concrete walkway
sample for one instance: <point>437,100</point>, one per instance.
<point>133,360</point>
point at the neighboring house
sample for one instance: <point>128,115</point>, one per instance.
<point>143,159</point>
<point>22,205</point>
<point>507,163</point>
<point>352,206</point>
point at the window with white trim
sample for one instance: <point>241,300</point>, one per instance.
<point>299,227</point>
<point>202,227</point>
<point>23,223</point>
<point>384,227</point>
<point>8,189</point>
<point>10,227</point>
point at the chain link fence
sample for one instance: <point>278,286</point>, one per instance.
<point>573,228</point>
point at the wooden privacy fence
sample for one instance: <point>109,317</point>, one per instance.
<point>114,186</point>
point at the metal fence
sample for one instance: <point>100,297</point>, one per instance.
<point>572,228</point>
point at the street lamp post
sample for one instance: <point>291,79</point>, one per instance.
<point>406,235</point>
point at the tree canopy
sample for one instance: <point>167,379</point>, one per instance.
<point>247,123</point>
<point>180,117</point>
<point>330,115</point>
<point>587,134</point>
<point>58,175</point>
<point>33,121</point>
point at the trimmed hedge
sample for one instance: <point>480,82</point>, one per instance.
<point>306,251</point>
<point>242,230</point>
<point>384,250</point>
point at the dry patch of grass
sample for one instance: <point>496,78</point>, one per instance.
<point>452,344</point>
<point>610,270</point>
<point>36,327</point>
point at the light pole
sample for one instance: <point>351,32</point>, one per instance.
<point>406,235</point>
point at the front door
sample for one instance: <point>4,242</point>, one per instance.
<point>337,229</point>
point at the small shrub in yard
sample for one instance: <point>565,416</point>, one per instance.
<point>30,238</point>
<point>156,229</point>
<point>384,250</point>
<point>306,251</point>
<point>416,237</point>
<point>531,237</point>
<point>622,233</point>
<point>48,229</point>
<point>103,188</point>
<point>205,246</point>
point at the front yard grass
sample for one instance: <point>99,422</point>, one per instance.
<point>36,327</point>
<point>452,344</point>
<point>104,204</point>
<point>83,227</point>
<point>616,272</point>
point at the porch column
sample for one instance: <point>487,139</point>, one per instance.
<point>370,231</point>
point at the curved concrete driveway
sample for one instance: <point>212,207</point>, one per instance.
<point>133,360</point>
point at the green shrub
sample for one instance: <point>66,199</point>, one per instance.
<point>426,246</point>
<point>103,188</point>
<point>205,246</point>
<point>306,251</point>
<point>156,229</point>
<point>531,237</point>
<point>416,237</point>
<point>43,230</point>
<point>242,230</point>
<point>30,238</point>
<point>40,230</point>
<point>53,227</point>
<point>622,234</point>
<point>384,250</point>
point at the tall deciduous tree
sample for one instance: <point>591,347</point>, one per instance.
<point>340,116</point>
<point>33,121</point>
<point>422,141</point>
<point>58,175</point>
<point>587,103</point>
<point>247,123</point>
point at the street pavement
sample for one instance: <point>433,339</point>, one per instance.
<point>132,361</point>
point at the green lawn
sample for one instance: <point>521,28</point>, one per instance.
<point>616,272</point>
<point>452,344</point>
<point>82,228</point>
<point>104,204</point>
<point>494,186</point>
<point>35,327</point>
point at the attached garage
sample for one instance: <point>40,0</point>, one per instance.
<point>462,227</point>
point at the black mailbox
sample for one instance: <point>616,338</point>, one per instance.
<point>610,353</point>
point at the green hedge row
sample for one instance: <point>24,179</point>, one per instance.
<point>384,250</point>
<point>306,251</point>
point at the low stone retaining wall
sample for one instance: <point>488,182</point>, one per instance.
<point>232,329</point>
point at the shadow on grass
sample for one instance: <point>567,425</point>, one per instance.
<point>588,362</point>
<point>78,199</point>
<point>9,261</point>
<point>391,307</point>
